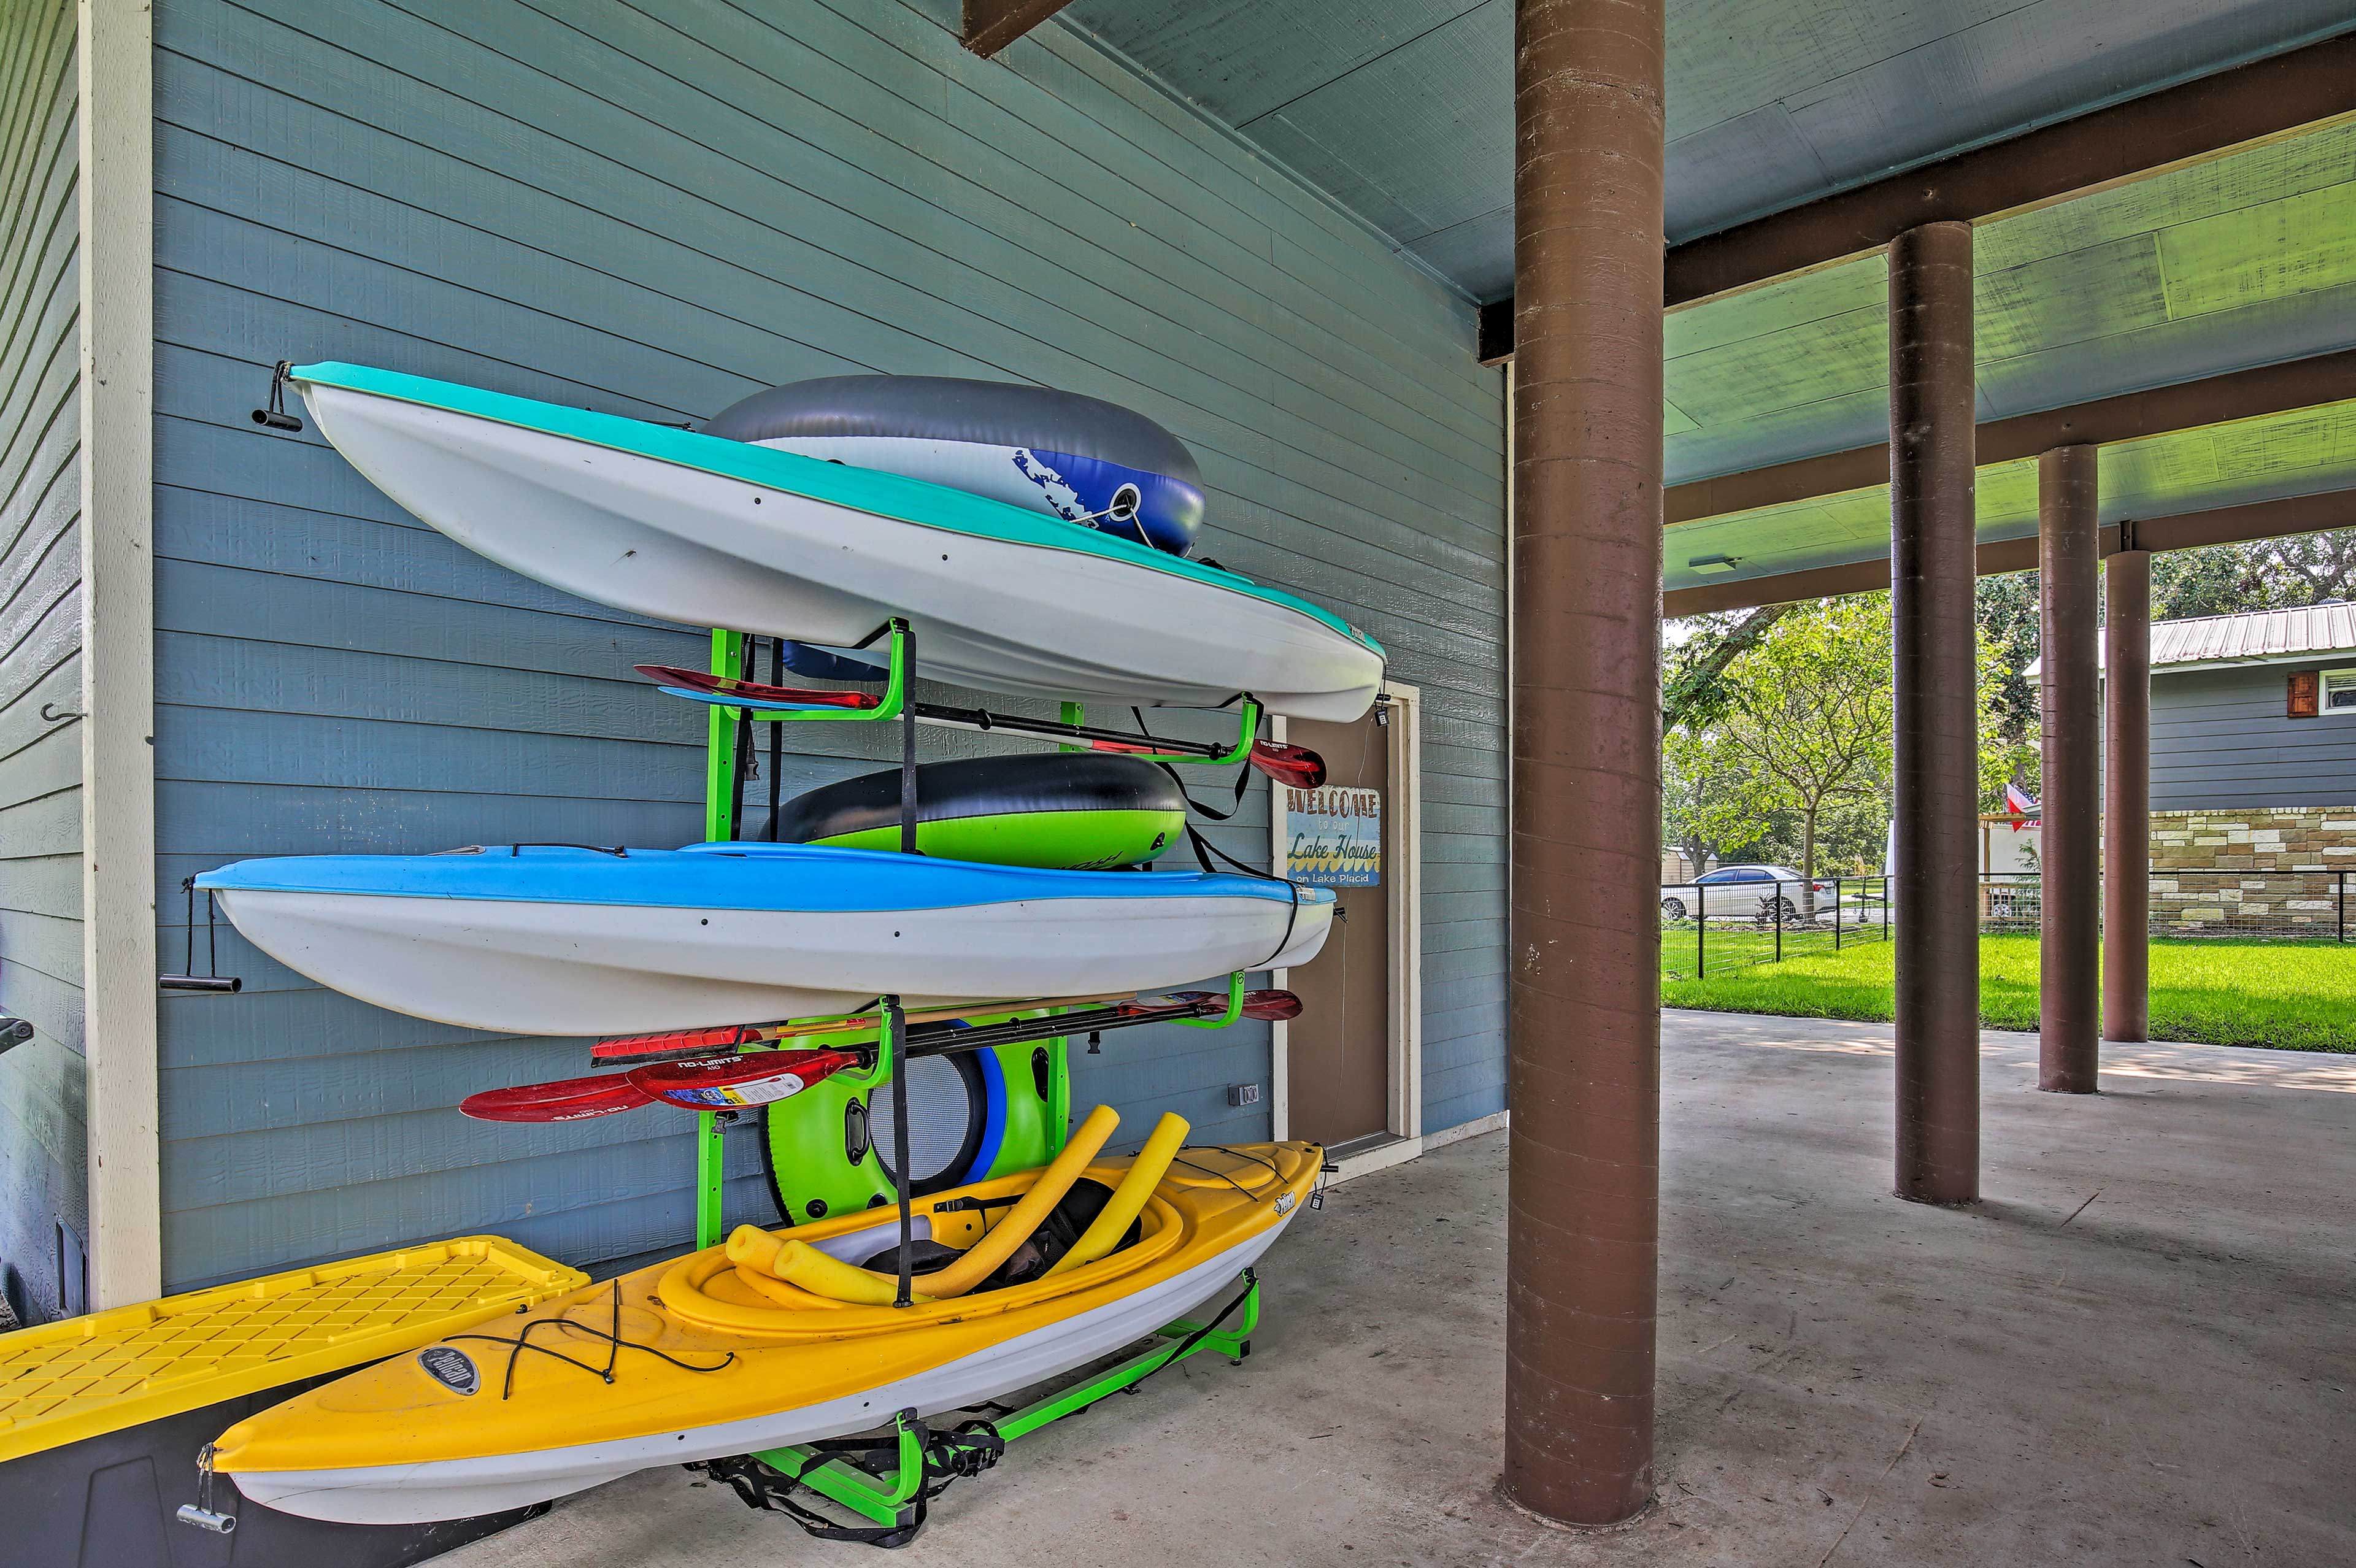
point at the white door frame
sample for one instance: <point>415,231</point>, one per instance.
<point>1404,876</point>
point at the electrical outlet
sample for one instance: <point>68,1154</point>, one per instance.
<point>1243,1094</point>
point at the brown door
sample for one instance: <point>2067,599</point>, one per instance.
<point>1339,1048</point>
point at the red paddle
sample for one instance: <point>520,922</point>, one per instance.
<point>728,1082</point>
<point>1295,765</point>
<point>567,1100</point>
<point>1268,1006</point>
<point>756,693</point>
<point>686,1041</point>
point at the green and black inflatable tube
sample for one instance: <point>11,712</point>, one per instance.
<point>1058,811</point>
<point>821,1144</point>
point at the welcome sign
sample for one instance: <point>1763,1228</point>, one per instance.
<point>1333,837</point>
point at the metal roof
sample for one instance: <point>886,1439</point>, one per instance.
<point>2262,636</point>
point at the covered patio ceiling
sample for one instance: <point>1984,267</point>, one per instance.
<point>1402,110</point>
<point>2195,269</point>
<point>2304,452</point>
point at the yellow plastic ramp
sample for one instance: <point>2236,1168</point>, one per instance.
<point>63,1382</point>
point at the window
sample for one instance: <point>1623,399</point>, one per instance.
<point>2340,691</point>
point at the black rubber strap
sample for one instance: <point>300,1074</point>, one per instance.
<point>895,1031</point>
<point>777,738</point>
<point>1205,850</point>
<point>946,1457</point>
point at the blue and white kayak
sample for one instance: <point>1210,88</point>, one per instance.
<point>710,531</point>
<point>557,940</point>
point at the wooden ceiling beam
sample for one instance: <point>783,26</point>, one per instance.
<point>990,25</point>
<point>2162,411</point>
<point>2142,136</point>
<point>2189,530</point>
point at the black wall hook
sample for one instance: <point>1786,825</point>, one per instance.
<point>275,416</point>
<point>212,979</point>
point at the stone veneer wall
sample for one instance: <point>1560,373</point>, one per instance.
<point>2263,845</point>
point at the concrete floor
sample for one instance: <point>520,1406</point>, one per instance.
<point>2137,1349</point>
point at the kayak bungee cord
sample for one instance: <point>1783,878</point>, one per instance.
<point>1249,1195</point>
<point>522,1342</point>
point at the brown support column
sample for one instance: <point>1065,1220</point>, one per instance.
<point>1583,1195</point>
<point>1936,899</point>
<point>2069,985</point>
<point>2126,796</point>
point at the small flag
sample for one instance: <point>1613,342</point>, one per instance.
<point>2017,802</point>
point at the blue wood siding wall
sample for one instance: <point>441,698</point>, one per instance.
<point>657,210</point>
<point>41,1156</point>
<point>2220,740</point>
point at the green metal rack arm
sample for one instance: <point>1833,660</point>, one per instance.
<point>889,1495</point>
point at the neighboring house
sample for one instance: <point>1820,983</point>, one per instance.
<point>2257,712</point>
<point>2253,745</point>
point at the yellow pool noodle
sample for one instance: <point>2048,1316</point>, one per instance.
<point>1128,1200</point>
<point>822,1273</point>
<point>798,1263</point>
<point>982,1258</point>
<point>749,1246</point>
<point>806,1271</point>
<point>778,1293</point>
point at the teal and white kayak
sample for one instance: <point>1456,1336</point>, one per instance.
<point>713,532</point>
<point>559,940</point>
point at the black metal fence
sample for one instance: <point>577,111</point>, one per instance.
<point>1708,928</point>
<point>2268,906</point>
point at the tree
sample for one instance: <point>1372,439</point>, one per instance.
<point>2189,583</point>
<point>2309,569</point>
<point>1693,687</point>
<point>1796,760</point>
<point>1807,722</point>
<point>1693,802</point>
<point>2265,574</point>
<point>2008,623</point>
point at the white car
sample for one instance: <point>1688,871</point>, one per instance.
<point>1743,893</point>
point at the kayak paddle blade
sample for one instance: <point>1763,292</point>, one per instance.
<point>1295,765</point>
<point>685,1042</point>
<point>754,693</point>
<point>732,1082</point>
<point>566,1100</point>
<point>1269,1007</point>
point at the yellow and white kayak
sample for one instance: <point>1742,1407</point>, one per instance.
<point>776,1338</point>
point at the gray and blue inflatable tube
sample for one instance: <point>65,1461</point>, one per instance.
<point>1073,457</point>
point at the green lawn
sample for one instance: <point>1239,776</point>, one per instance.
<point>2291,996</point>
